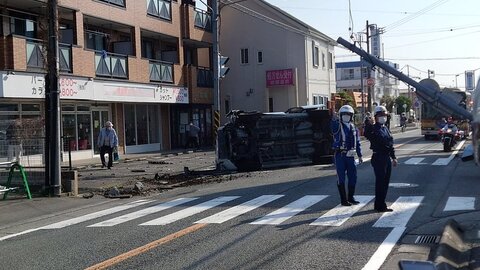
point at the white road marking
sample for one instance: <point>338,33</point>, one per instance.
<point>290,210</point>
<point>445,161</point>
<point>17,234</point>
<point>414,161</point>
<point>379,257</point>
<point>239,209</point>
<point>143,212</point>
<point>403,209</point>
<point>338,215</point>
<point>73,221</point>
<point>189,211</point>
<point>460,203</point>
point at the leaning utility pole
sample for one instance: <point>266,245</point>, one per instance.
<point>52,108</point>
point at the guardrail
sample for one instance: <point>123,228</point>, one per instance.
<point>203,19</point>
<point>161,71</point>
<point>111,65</point>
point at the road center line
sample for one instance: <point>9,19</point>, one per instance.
<point>135,252</point>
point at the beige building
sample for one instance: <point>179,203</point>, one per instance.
<point>276,61</point>
<point>144,65</point>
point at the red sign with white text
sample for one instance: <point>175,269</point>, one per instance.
<point>280,77</point>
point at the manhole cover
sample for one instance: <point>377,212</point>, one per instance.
<point>402,185</point>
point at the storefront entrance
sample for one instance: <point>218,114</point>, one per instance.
<point>99,117</point>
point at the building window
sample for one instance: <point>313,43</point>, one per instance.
<point>270,104</point>
<point>76,127</point>
<point>142,124</point>
<point>120,3</point>
<point>320,100</point>
<point>330,60</point>
<point>315,55</point>
<point>244,56</point>
<point>364,72</point>
<point>348,74</point>
<point>23,25</point>
<point>260,57</point>
<point>323,60</point>
<point>95,40</point>
<point>227,106</point>
<point>160,8</point>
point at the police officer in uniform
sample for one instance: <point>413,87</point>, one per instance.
<point>346,144</point>
<point>383,157</point>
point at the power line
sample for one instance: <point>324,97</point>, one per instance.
<point>431,31</point>
<point>430,40</point>
<point>434,59</point>
<point>415,15</point>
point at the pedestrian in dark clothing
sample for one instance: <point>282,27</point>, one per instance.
<point>107,141</point>
<point>193,132</point>
<point>383,157</point>
<point>346,143</point>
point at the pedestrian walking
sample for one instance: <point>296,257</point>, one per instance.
<point>346,144</point>
<point>14,140</point>
<point>383,157</point>
<point>107,141</point>
<point>193,132</point>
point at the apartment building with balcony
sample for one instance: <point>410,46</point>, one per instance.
<point>144,65</point>
<point>276,61</point>
<point>349,77</point>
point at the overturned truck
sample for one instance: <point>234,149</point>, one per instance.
<point>254,140</point>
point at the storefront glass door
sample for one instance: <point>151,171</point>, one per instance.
<point>99,117</point>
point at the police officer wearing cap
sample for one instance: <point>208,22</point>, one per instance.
<point>346,144</point>
<point>383,157</point>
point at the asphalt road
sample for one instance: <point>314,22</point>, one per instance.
<point>245,224</point>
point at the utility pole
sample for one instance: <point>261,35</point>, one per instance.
<point>52,100</point>
<point>216,69</point>
<point>369,88</point>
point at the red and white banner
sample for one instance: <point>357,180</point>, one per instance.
<point>280,77</point>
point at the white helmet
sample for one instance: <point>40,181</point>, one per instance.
<point>380,110</point>
<point>346,109</point>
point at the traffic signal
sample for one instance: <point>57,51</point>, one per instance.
<point>222,70</point>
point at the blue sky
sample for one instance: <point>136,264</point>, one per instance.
<point>441,35</point>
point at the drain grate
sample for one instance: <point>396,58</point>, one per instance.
<point>427,239</point>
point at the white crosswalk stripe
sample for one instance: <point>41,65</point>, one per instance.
<point>414,161</point>
<point>239,209</point>
<point>190,211</point>
<point>142,213</point>
<point>290,210</point>
<point>340,214</point>
<point>460,204</point>
<point>403,209</point>
<point>95,215</point>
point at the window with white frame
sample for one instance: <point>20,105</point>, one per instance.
<point>323,60</point>
<point>330,60</point>
<point>315,55</point>
<point>244,55</point>
<point>259,57</point>
<point>348,74</point>
<point>320,100</point>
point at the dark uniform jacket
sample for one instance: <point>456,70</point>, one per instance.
<point>381,141</point>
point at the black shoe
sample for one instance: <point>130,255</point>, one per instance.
<point>381,210</point>
<point>353,201</point>
<point>343,196</point>
<point>109,167</point>
<point>103,166</point>
<point>346,203</point>
<point>351,192</point>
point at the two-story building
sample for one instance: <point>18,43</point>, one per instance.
<point>144,65</point>
<point>276,61</point>
<point>351,76</point>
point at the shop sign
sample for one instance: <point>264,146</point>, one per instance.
<point>281,77</point>
<point>33,86</point>
<point>169,94</point>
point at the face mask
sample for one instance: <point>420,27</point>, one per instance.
<point>346,118</point>
<point>382,119</point>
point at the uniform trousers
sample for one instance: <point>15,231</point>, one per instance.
<point>382,166</point>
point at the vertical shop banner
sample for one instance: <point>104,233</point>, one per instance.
<point>469,80</point>
<point>280,77</point>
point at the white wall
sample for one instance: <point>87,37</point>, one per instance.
<point>282,49</point>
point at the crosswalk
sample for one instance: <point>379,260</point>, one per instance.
<point>429,161</point>
<point>403,209</point>
<point>182,208</point>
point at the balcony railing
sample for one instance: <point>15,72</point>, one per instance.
<point>36,56</point>
<point>204,77</point>
<point>161,71</point>
<point>111,65</point>
<point>160,8</point>
<point>203,19</point>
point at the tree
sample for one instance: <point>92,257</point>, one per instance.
<point>346,99</point>
<point>399,104</point>
<point>389,101</point>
